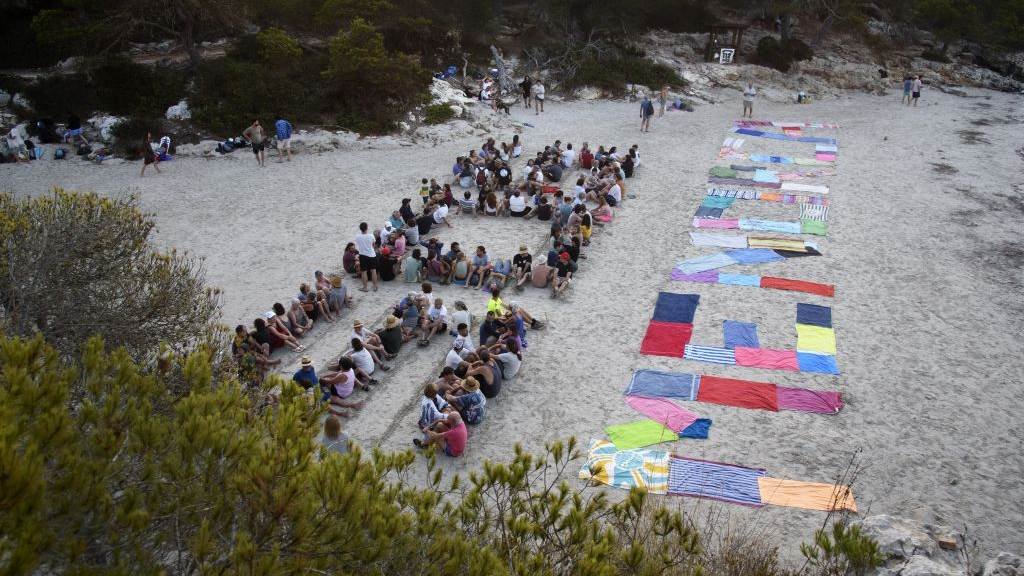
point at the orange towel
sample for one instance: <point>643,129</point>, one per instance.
<point>771,197</point>
<point>809,495</point>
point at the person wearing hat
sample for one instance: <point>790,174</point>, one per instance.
<point>392,337</point>
<point>563,274</point>
<point>337,297</point>
<point>306,375</point>
<point>522,264</point>
<point>371,341</point>
<point>449,434</point>
<point>471,403</point>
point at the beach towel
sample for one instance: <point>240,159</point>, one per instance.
<point>704,479</point>
<point>709,354</point>
<point>812,162</point>
<point>788,244</point>
<point>798,187</point>
<point>659,384</point>
<point>772,159</point>
<point>767,176</point>
<point>816,227</point>
<point>792,131</point>
<point>718,240</point>
<point>719,202</point>
<point>769,226</point>
<point>666,339</point>
<point>745,168</point>
<point>826,148</point>
<point>796,494</point>
<point>646,469</point>
<point>809,250</point>
<point>814,315</point>
<point>707,212</point>
<point>699,429</point>
<point>767,358</point>
<point>739,279</point>
<point>810,338</point>
<point>813,212</point>
<point>722,172</point>
<point>738,393</point>
<point>825,157</point>
<point>753,255</point>
<point>827,290</point>
<point>736,333</point>
<point>706,262</point>
<point>709,277</point>
<point>820,363</point>
<point>663,411</point>
<point>639,434</point>
<point>804,400</point>
<point>672,307</point>
<point>712,223</point>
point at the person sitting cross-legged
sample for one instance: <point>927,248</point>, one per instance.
<point>449,435</point>
<point>338,386</point>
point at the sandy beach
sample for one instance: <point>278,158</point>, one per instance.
<point>925,248</point>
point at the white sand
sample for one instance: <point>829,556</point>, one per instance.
<point>928,310</point>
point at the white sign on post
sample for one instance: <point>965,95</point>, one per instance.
<point>726,56</point>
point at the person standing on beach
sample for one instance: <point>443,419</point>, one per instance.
<point>916,89</point>
<point>254,134</point>
<point>148,156</point>
<point>284,138</point>
<point>527,86</point>
<point>367,256</point>
<point>662,100</point>
<point>646,111</point>
<point>748,100</point>
<point>908,82</point>
<point>538,96</point>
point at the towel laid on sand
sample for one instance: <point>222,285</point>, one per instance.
<point>719,240</point>
<point>707,277</point>
<point>705,263</point>
<point>724,223</point>
<point>805,400</point>
<point>814,315</point>
<point>828,290</point>
<point>646,469</point>
<point>709,354</point>
<point>639,434</point>
<point>796,494</point>
<point>737,333</point>
<point>820,363</point>
<point>660,384</point>
<point>672,307</point>
<point>817,339</point>
<point>663,411</point>
<point>739,279</point>
<point>699,429</point>
<point>705,479</point>
<point>666,338</point>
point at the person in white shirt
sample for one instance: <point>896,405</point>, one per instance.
<point>441,214</point>
<point>463,339</point>
<point>748,100</point>
<point>454,356</point>
<point>517,205</point>
<point>362,358</point>
<point>538,96</point>
<point>364,242</point>
<point>508,358</point>
<point>568,156</point>
<point>437,321</point>
<point>371,342</point>
<point>614,194</point>
<point>461,316</point>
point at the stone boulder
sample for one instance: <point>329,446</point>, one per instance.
<point>179,111</point>
<point>898,537</point>
<point>21,101</point>
<point>104,124</point>
<point>442,92</point>
<point>1005,564</point>
<point>587,93</point>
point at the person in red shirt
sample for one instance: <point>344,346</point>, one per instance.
<point>449,434</point>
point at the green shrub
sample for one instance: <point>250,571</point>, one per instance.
<point>781,55</point>
<point>437,113</point>
<point>935,56</point>
<point>130,133</point>
<point>614,73</point>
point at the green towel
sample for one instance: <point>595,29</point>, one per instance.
<point>638,434</point>
<point>717,202</point>
<point>813,227</point>
<point>723,172</point>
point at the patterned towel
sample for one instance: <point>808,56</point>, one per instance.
<point>709,354</point>
<point>704,479</point>
<point>814,212</point>
<point>646,469</point>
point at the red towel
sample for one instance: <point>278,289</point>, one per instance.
<point>666,339</point>
<point>739,393</point>
<point>798,286</point>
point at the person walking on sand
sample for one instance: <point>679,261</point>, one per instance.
<point>646,111</point>
<point>148,156</point>
<point>527,86</point>
<point>538,96</point>
<point>284,138</point>
<point>748,100</point>
<point>908,83</point>
<point>916,89</point>
<point>254,134</point>
<point>367,256</point>
<point>662,100</point>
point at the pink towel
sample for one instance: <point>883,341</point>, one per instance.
<point>767,358</point>
<point>806,400</point>
<point>663,411</point>
<point>824,157</point>
<point>711,223</point>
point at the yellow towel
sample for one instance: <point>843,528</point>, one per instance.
<point>809,495</point>
<point>776,243</point>
<point>815,339</point>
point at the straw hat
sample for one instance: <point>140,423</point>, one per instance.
<point>471,384</point>
<point>336,281</point>
<point>357,323</point>
<point>523,249</point>
<point>390,321</point>
<point>307,361</point>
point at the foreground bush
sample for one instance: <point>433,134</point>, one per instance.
<point>781,54</point>
<point>73,265</point>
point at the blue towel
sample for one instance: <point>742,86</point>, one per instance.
<point>769,226</point>
<point>673,307</point>
<point>743,334</point>
<point>771,159</point>
<point>814,315</point>
<point>709,354</point>
<point>705,263</point>
<point>754,255</point>
<point>826,148</point>
<point>816,140</point>
<point>820,363</point>
<point>658,384</point>
<point>699,429</point>
<point>768,176</point>
<point>748,132</point>
<point>708,212</point>
<point>717,202</point>
<point>740,279</point>
<point>713,480</point>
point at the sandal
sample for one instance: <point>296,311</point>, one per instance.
<point>374,381</point>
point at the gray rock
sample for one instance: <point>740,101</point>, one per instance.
<point>921,566</point>
<point>1005,564</point>
<point>179,111</point>
<point>21,101</point>
<point>898,537</point>
<point>587,93</point>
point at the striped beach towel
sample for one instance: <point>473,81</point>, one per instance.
<point>813,212</point>
<point>705,479</point>
<point>709,354</point>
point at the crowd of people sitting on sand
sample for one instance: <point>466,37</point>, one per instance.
<point>401,250</point>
